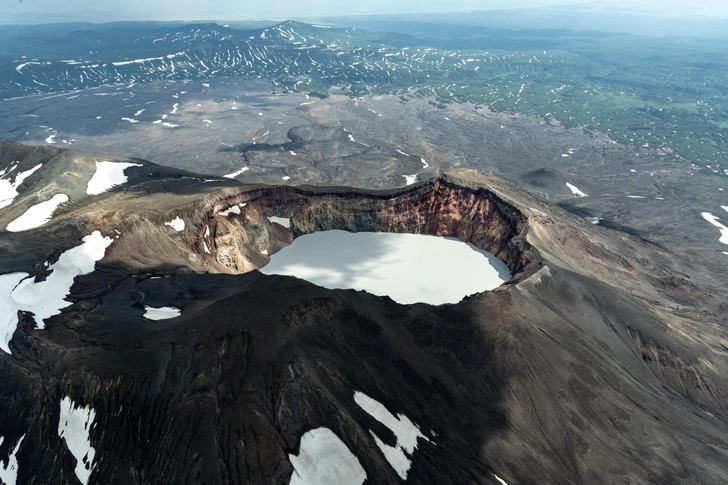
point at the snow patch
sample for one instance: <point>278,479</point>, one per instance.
<point>161,313</point>
<point>500,480</point>
<point>322,459</point>
<point>9,472</point>
<point>142,61</point>
<point>130,120</point>
<point>410,179</point>
<point>107,175</point>
<point>406,432</point>
<point>575,190</point>
<point>235,174</point>
<point>9,190</point>
<point>37,215</point>
<point>46,298</point>
<point>286,178</point>
<point>594,220</point>
<point>714,220</point>
<point>74,427</point>
<point>232,210</point>
<point>283,221</point>
<point>177,224</point>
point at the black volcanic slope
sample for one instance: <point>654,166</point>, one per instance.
<point>598,363</point>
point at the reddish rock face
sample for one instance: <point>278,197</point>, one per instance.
<point>437,208</point>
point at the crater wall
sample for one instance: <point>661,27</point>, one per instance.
<point>243,241</point>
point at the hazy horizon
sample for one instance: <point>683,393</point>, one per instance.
<point>44,11</point>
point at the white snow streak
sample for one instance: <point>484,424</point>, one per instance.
<point>9,190</point>
<point>405,431</point>
<point>324,459</point>
<point>107,175</point>
<point>46,298</point>
<point>283,221</point>
<point>37,215</point>
<point>9,472</point>
<point>232,210</point>
<point>235,174</point>
<point>177,224</point>
<point>575,190</point>
<point>410,179</point>
<point>714,220</point>
<point>75,427</point>
<point>594,220</point>
<point>500,480</point>
<point>161,313</point>
<point>142,61</point>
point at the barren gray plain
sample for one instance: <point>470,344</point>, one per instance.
<point>243,125</point>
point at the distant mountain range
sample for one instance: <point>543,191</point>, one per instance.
<point>291,53</point>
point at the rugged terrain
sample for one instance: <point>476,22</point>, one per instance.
<point>236,127</point>
<point>636,125</point>
<point>603,360</point>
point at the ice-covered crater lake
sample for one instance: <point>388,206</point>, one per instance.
<point>409,268</point>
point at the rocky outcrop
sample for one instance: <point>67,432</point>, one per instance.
<point>438,207</point>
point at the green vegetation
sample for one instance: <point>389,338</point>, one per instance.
<point>662,94</point>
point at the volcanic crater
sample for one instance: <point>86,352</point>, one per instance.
<point>600,346</point>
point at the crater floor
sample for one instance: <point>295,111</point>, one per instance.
<point>409,268</point>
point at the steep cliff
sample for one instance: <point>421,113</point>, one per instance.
<point>438,207</point>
